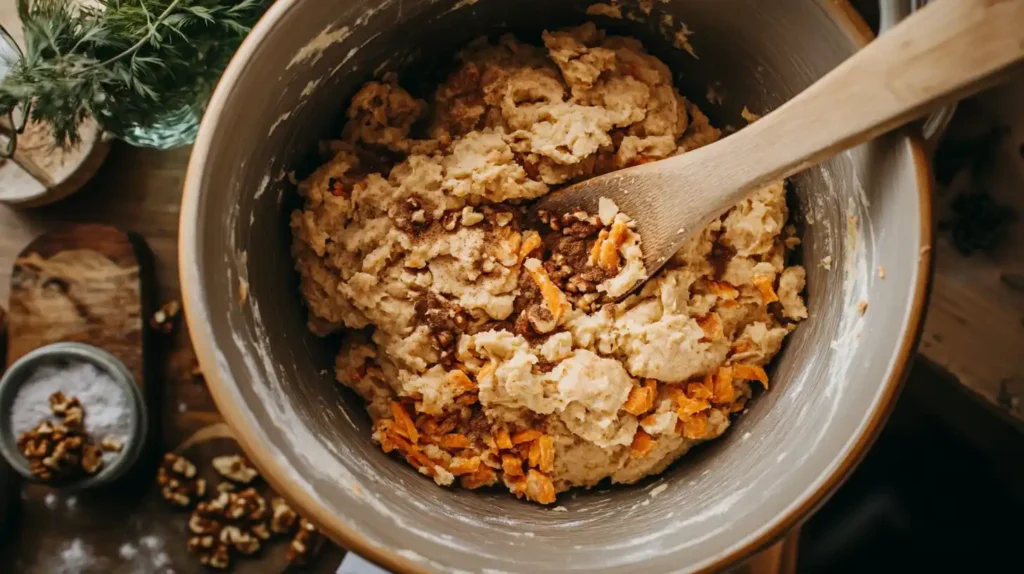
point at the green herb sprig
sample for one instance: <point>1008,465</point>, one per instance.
<point>125,63</point>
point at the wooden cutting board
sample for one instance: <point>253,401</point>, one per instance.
<point>82,283</point>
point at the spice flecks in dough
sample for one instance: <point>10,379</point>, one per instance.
<point>485,342</point>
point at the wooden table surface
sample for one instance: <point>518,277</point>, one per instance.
<point>140,190</point>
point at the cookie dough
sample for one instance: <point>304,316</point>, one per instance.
<point>484,343</point>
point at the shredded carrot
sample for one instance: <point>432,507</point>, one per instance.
<point>539,488</point>
<point>526,436</point>
<point>546,455</point>
<point>764,285</point>
<point>404,422</point>
<point>711,324</point>
<point>483,476</point>
<point>700,390</point>
<point>723,289</point>
<point>453,441</point>
<point>750,373</point>
<point>553,296</point>
<point>502,439</point>
<point>464,466</point>
<point>696,426</point>
<point>531,241</point>
<point>511,465</point>
<point>724,393</point>
<point>595,251</point>
<point>643,444</point>
<point>689,407</point>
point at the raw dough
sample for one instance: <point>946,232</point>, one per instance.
<point>485,350</point>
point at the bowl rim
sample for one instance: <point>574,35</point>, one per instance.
<point>278,475</point>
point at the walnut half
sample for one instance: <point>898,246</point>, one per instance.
<point>178,483</point>
<point>236,468</point>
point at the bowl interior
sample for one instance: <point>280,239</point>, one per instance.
<point>274,381</point>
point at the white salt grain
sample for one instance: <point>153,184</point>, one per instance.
<point>71,503</point>
<point>51,501</point>
<point>128,551</point>
<point>152,542</point>
<point>75,556</point>
<point>161,559</point>
<point>106,404</point>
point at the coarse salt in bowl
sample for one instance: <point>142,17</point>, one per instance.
<point>113,405</point>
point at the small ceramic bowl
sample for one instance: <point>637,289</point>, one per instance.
<point>22,370</point>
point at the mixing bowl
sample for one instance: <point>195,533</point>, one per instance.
<point>864,217</point>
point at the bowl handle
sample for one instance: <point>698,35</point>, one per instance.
<point>890,13</point>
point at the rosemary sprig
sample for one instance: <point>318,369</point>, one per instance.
<point>123,62</point>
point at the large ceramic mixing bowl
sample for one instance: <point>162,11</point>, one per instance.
<point>833,385</point>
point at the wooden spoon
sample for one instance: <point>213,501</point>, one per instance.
<point>942,53</point>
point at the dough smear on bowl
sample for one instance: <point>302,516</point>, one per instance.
<point>483,344</point>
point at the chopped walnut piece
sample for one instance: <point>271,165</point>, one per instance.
<point>178,483</point>
<point>61,451</point>
<point>199,524</point>
<point>236,468</point>
<point>305,545</point>
<point>92,458</point>
<point>59,403</point>
<point>226,487</point>
<point>166,317</point>
<point>284,518</point>
<point>241,541</point>
<point>111,445</point>
<point>219,557</point>
<point>247,504</point>
<point>260,531</point>
<point>74,417</point>
<point>198,544</point>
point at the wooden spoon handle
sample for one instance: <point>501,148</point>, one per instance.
<point>942,53</point>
